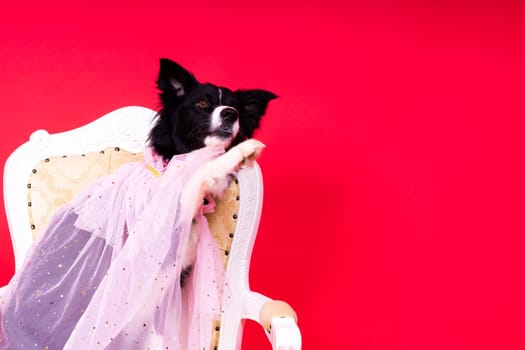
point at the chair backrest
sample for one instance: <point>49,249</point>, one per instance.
<point>48,170</point>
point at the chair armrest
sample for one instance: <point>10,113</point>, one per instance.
<point>277,318</point>
<point>285,334</point>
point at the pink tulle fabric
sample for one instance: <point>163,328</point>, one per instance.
<point>106,272</point>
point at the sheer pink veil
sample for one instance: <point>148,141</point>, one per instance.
<point>105,274</point>
<point>139,300</point>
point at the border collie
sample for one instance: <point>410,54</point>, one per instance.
<point>194,115</point>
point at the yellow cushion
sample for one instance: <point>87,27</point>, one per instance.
<point>56,180</point>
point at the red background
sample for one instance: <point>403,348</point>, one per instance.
<point>394,170</point>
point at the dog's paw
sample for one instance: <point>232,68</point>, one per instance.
<point>218,173</point>
<point>244,154</point>
<point>250,150</point>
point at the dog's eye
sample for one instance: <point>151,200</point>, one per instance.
<point>203,104</point>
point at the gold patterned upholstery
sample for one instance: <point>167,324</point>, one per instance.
<point>56,180</point>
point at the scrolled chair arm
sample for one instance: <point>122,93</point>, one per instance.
<point>278,319</point>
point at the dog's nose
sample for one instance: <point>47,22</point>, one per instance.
<point>229,114</point>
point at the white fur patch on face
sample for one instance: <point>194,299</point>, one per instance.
<point>216,119</point>
<point>217,123</point>
<point>213,141</point>
<point>221,141</point>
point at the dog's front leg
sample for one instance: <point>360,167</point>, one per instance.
<point>219,173</point>
<point>215,176</point>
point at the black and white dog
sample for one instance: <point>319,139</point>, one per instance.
<point>194,115</point>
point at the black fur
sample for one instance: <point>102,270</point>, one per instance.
<point>186,271</point>
<point>183,124</point>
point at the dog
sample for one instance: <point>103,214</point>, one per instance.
<point>194,115</point>
<point>81,275</point>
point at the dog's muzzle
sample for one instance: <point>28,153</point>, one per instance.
<point>229,114</point>
<point>224,122</point>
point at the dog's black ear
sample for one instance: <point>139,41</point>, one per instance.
<point>252,104</point>
<point>174,81</point>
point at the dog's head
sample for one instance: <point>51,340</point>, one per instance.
<point>194,115</point>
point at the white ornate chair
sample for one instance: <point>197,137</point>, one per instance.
<point>49,169</point>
